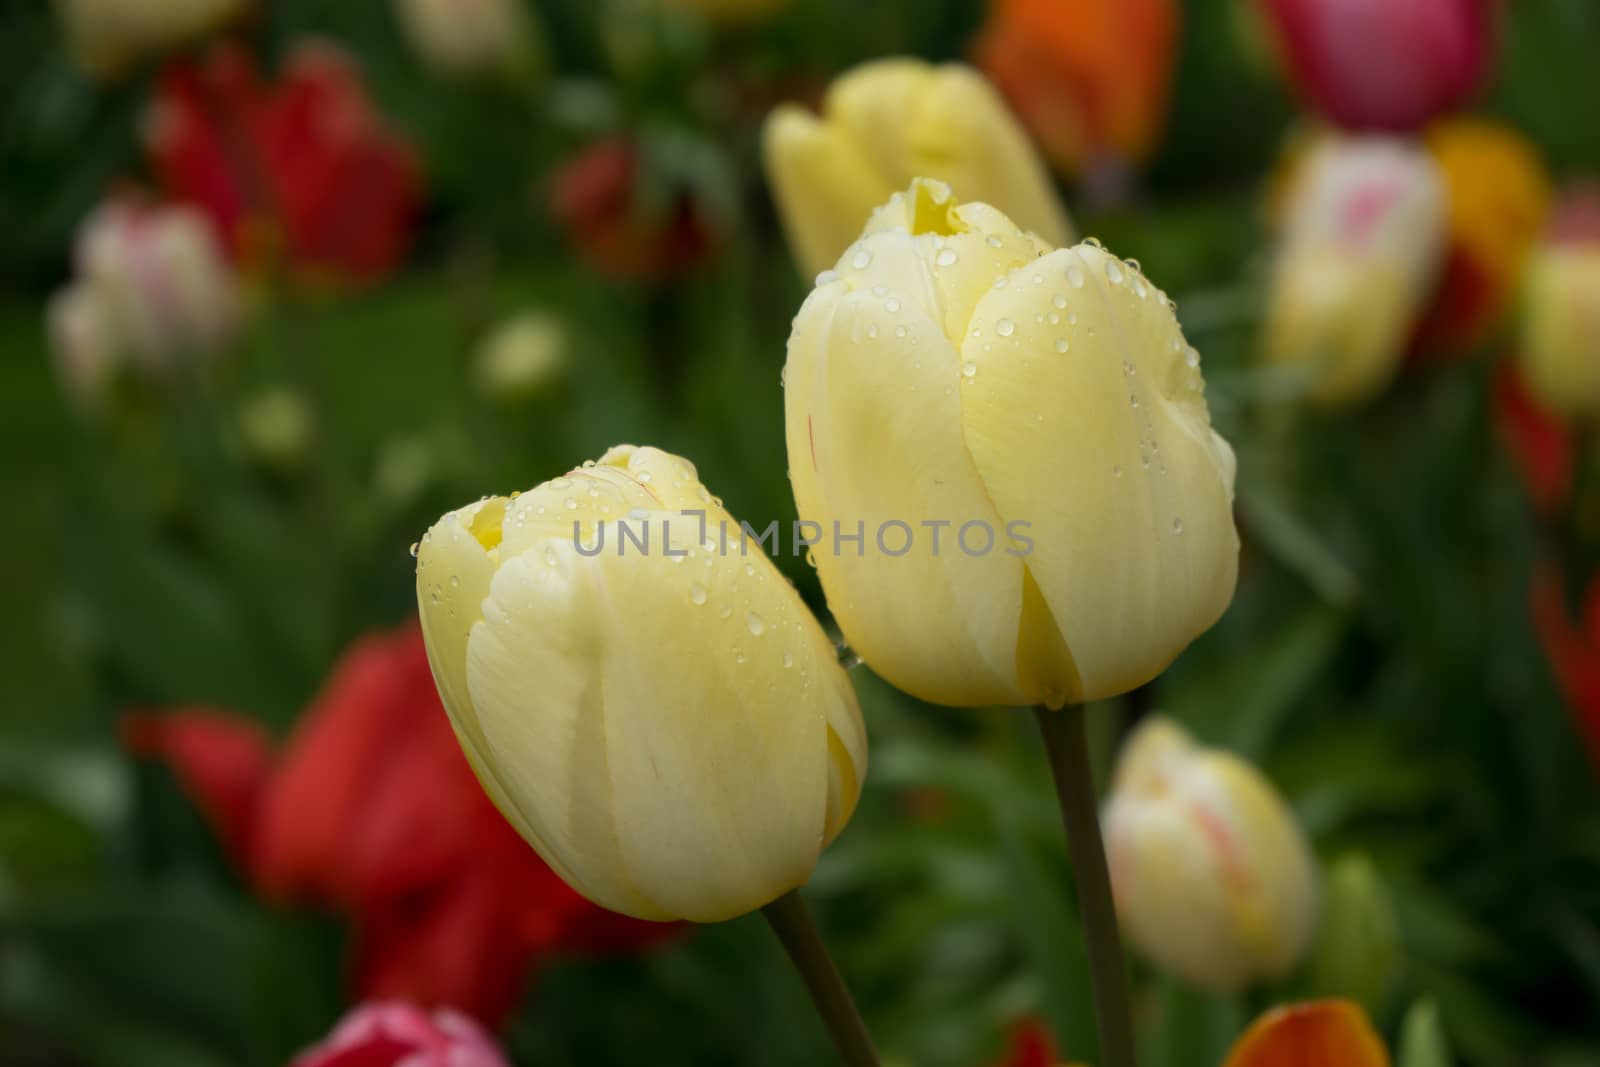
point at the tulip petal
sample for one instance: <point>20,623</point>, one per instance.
<point>852,363</point>
<point>1141,485</point>
<point>1328,1033</point>
<point>824,186</point>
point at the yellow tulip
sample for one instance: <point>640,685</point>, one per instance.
<point>1043,407</point>
<point>667,725</point>
<point>1214,880</point>
<point>885,123</point>
<point>107,37</point>
<point>1364,236</point>
<point>1561,328</point>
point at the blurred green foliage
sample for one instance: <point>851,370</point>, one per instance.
<point>1378,660</point>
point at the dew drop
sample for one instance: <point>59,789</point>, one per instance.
<point>872,331</point>
<point>827,277</point>
<point>788,660</point>
<point>1061,345</point>
<point>1075,277</point>
<point>413,550</point>
<point>1192,357</point>
<point>1177,526</point>
<point>993,241</point>
<point>1055,319</point>
<point>1116,470</point>
<point>738,655</point>
<point>572,505</point>
<point>1113,271</point>
<point>724,611</point>
<point>1060,299</point>
<point>455,581</point>
<point>756,624</point>
<point>861,260</point>
<point>645,477</point>
<point>697,593</point>
<point>880,291</point>
<point>946,258</point>
<point>1005,327</point>
<point>969,369</point>
<point>899,331</point>
<point>891,305</point>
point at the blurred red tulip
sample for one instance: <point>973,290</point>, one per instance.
<point>1541,444</point>
<point>1089,79</point>
<point>1573,649</point>
<point>1030,1046</point>
<point>1384,64</point>
<point>306,167</point>
<point>594,197</point>
<point>372,809</point>
<point>400,1035</point>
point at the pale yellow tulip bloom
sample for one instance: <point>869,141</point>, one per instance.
<point>1041,404</point>
<point>667,725</point>
<point>1561,328</point>
<point>1214,880</point>
<point>885,123</point>
<point>1365,232</point>
<point>107,37</point>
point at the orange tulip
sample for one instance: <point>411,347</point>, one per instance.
<point>1499,195</point>
<point>1321,1033</point>
<point>1089,79</point>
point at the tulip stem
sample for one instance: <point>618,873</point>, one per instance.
<point>791,921</point>
<point>1066,742</point>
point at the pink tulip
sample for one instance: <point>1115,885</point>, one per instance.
<point>1384,64</point>
<point>397,1034</point>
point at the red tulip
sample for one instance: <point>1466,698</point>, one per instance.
<point>595,198</point>
<point>1541,444</point>
<point>305,166</point>
<point>371,809</point>
<point>1572,646</point>
<point>1384,64</point>
<point>400,1035</point>
<point>1030,1045</point>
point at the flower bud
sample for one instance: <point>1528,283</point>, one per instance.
<point>1319,1031</point>
<point>276,428</point>
<point>109,36</point>
<point>469,38</point>
<point>1364,233</point>
<point>152,289</point>
<point>520,356</point>
<point>885,123</point>
<point>1561,314</point>
<point>661,718</point>
<point>1020,437</point>
<point>1359,943</point>
<point>1384,66</point>
<point>1213,878</point>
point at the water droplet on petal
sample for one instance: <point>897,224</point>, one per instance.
<point>697,593</point>
<point>891,305</point>
<point>1061,345</point>
<point>414,550</point>
<point>1177,526</point>
<point>1060,299</point>
<point>993,241</point>
<point>1075,277</point>
<point>788,660</point>
<point>1005,327</point>
<point>969,369</point>
<point>827,277</point>
<point>946,258</point>
<point>1113,271</point>
<point>861,260</point>
<point>756,624</point>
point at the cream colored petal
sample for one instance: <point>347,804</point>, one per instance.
<point>961,132</point>
<point>871,104</point>
<point>824,186</point>
<point>1087,421</point>
<point>1560,348</point>
<point>673,732</point>
<point>1172,897</point>
<point>1151,755</point>
<point>873,421</point>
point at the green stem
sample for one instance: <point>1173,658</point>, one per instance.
<point>1066,743</point>
<point>792,923</point>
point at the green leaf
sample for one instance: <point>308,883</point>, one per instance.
<point>1422,1040</point>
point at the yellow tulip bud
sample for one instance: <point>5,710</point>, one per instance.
<point>1213,878</point>
<point>665,723</point>
<point>470,38</point>
<point>1020,436</point>
<point>1561,328</point>
<point>1365,232</point>
<point>885,123</point>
